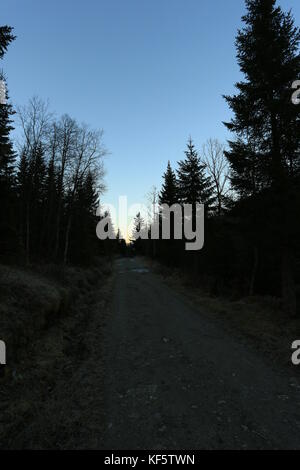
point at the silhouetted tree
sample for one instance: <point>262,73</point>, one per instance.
<point>50,207</point>
<point>83,242</point>
<point>139,228</point>
<point>7,160</point>
<point>194,186</point>
<point>6,37</point>
<point>169,191</point>
<point>217,168</point>
<point>265,154</point>
<point>31,191</point>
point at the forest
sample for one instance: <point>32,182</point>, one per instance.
<point>250,187</point>
<point>104,351</point>
<point>52,177</point>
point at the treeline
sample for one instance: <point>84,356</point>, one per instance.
<point>49,189</point>
<point>252,222</point>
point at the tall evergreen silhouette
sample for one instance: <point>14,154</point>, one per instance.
<point>7,159</point>
<point>266,123</point>
<point>169,190</point>
<point>264,157</point>
<point>194,186</point>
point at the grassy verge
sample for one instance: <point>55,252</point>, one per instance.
<point>46,320</point>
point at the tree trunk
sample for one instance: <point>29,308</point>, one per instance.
<point>27,234</point>
<point>67,240</point>
<point>219,204</point>
<point>57,234</point>
<point>288,283</point>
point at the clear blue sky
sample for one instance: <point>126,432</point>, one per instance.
<point>149,72</point>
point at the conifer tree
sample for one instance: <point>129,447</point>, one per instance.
<point>6,37</point>
<point>194,186</point>
<point>7,159</point>
<point>50,207</point>
<point>264,157</point>
<point>22,187</point>
<point>138,232</point>
<point>169,193</point>
<point>35,199</point>
<point>265,122</point>
<point>7,155</point>
<point>82,240</point>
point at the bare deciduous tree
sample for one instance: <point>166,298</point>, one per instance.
<point>87,157</point>
<point>152,198</point>
<point>66,144</point>
<point>35,120</point>
<point>73,152</point>
<point>218,169</point>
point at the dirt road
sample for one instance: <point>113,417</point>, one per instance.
<point>175,378</point>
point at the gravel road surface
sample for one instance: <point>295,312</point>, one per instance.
<point>176,379</point>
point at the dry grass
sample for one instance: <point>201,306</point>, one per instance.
<point>45,314</point>
<point>28,303</point>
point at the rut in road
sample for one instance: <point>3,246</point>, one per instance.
<point>177,379</point>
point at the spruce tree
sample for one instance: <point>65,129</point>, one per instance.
<point>83,241</point>
<point>6,37</point>
<point>265,122</point>
<point>194,186</point>
<point>169,193</point>
<point>7,155</point>
<point>264,157</point>
<point>139,230</point>
<point>37,197</point>
<point>50,207</point>
<point>22,187</point>
<point>32,197</point>
<point>169,197</point>
<point>7,160</point>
